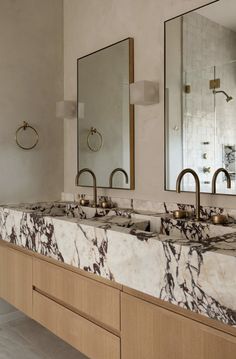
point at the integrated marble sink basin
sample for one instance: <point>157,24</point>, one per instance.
<point>159,223</point>
<point>70,210</point>
<point>125,222</point>
<point>197,231</point>
<point>54,209</point>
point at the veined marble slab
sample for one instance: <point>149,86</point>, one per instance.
<point>191,270</point>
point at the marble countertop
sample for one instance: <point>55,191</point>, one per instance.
<point>190,264</point>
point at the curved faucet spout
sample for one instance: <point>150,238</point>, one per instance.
<point>214,178</point>
<point>94,183</point>
<point>197,183</point>
<point>115,171</point>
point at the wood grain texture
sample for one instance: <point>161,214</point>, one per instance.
<point>98,301</point>
<point>217,324</point>
<point>16,279</point>
<point>149,331</point>
<point>88,338</point>
<point>69,267</point>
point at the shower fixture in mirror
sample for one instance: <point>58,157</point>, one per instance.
<point>105,116</point>
<point>200,96</point>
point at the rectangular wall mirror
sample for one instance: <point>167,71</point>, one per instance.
<point>105,116</point>
<point>200,96</point>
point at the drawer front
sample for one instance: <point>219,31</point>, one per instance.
<point>16,279</point>
<point>87,337</point>
<point>152,332</point>
<point>96,300</point>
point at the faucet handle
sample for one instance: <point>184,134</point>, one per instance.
<point>105,202</point>
<point>83,201</point>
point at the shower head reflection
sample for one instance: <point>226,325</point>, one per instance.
<point>228,98</point>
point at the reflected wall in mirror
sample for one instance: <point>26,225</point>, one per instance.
<point>105,116</point>
<point>200,95</point>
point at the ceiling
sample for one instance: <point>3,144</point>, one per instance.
<point>222,12</point>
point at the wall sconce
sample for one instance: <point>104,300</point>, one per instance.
<point>66,109</point>
<point>144,93</point>
<point>81,110</point>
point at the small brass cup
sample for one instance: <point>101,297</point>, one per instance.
<point>219,219</point>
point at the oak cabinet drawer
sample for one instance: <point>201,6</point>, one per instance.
<point>90,339</point>
<point>16,279</point>
<point>152,332</point>
<point>96,300</point>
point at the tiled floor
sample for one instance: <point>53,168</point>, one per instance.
<point>25,339</point>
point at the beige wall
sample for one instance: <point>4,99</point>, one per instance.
<point>31,81</point>
<point>92,24</point>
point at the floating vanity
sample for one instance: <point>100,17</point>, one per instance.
<point>121,278</point>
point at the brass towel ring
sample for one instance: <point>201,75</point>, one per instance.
<point>24,128</point>
<point>94,131</point>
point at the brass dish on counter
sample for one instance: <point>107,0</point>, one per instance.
<point>180,214</point>
<point>219,219</point>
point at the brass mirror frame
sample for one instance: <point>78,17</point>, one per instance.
<point>131,116</point>
<point>166,105</point>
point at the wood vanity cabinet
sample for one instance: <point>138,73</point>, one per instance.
<point>16,279</point>
<point>152,332</point>
<point>105,320</point>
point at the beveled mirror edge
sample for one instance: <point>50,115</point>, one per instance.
<point>165,102</point>
<point>131,116</point>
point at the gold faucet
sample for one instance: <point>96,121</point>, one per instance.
<point>197,183</point>
<point>94,183</point>
<point>215,177</point>
<point>112,175</point>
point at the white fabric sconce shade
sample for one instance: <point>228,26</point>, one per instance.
<point>66,109</point>
<point>144,93</point>
<point>81,110</point>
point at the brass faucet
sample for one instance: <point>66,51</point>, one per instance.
<point>197,182</point>
<point>94,183</point>
<point>112,175</point>
<point>215,177</point>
